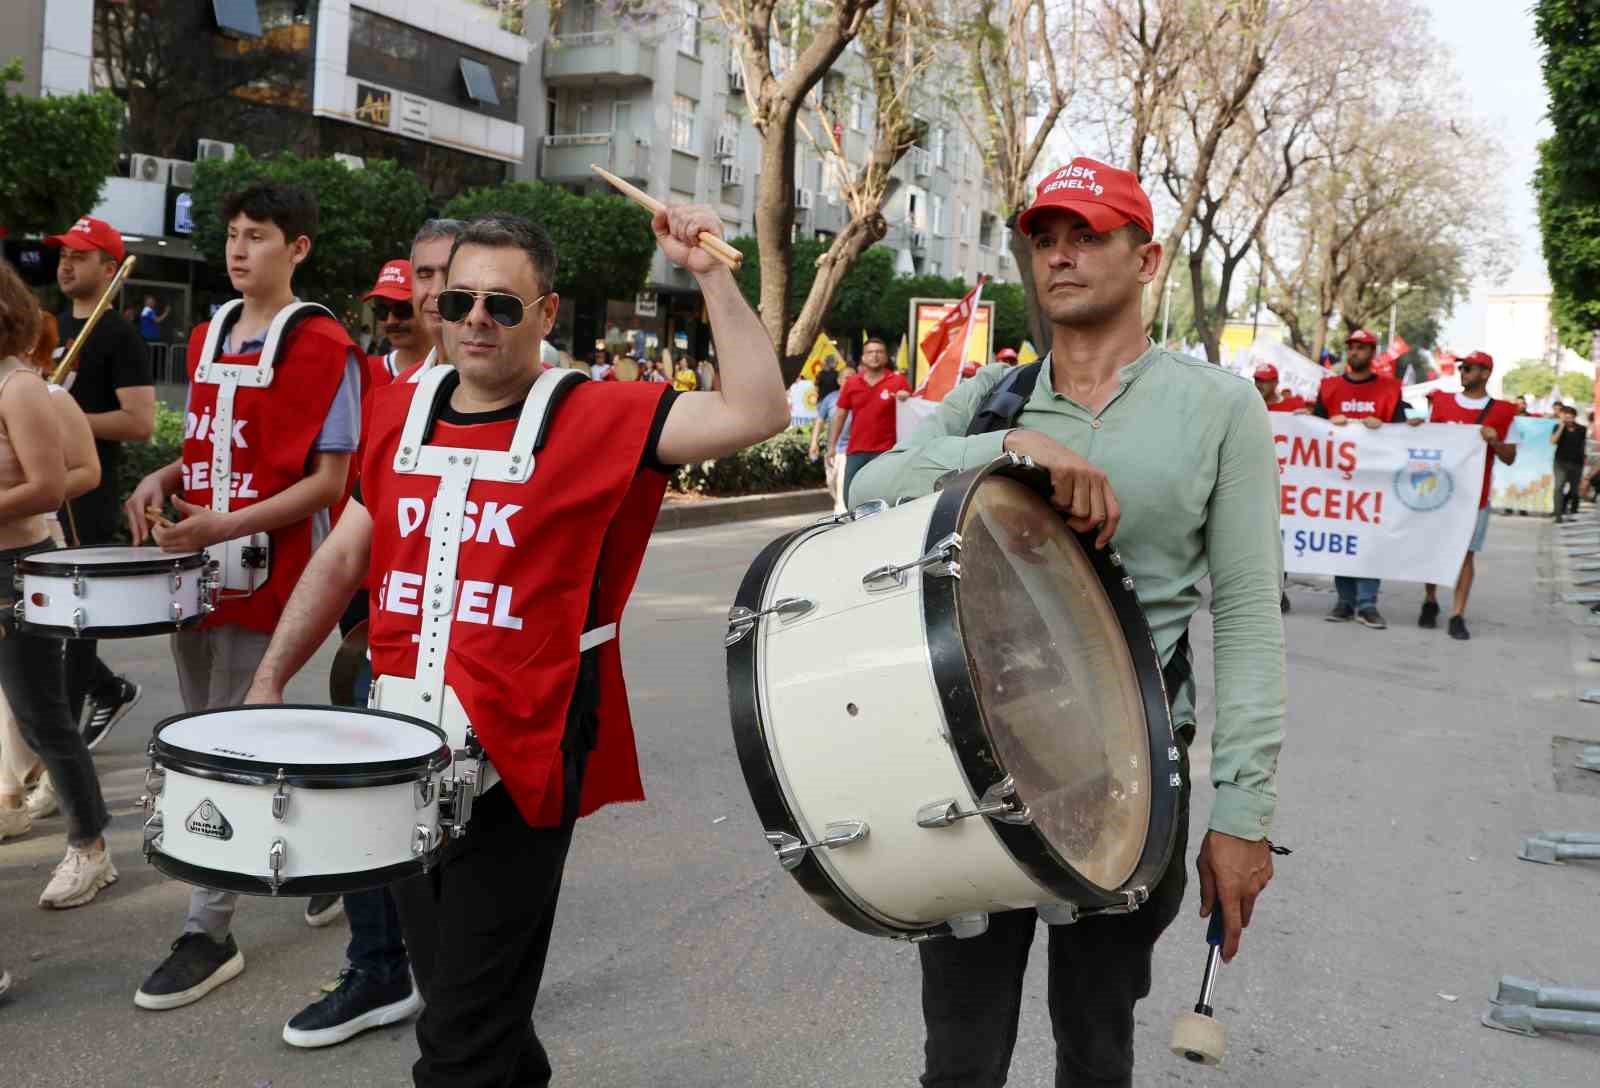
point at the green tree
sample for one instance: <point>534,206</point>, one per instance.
<point>1576,388</point>
<point>366,217</point>
<point>1529,376</point>
<point>59,150</point>
<point>856,300</point>
<point>603,242</point>
<point>1567,181</point>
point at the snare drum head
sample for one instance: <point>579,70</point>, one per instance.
<point>1057,685</point>
<point>109,556</point>
<point>300,736</point>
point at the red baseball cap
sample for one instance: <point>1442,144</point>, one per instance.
<point>1106,197</point>
<point>1361,336</point>
<point>1476,358</point>
<point>87,234</point>
<point>394,283</point>
<point>1005,355</point>
<point>1266,372</point>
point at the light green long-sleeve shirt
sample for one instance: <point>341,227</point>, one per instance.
<point>1189,453</point>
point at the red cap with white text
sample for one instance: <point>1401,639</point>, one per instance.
<point>394,283</point>
<point>1477,358</point>
<point>1106,197</point>
<point>88,233</point>
<point>1362,336</point>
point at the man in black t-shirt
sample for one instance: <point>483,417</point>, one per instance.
<point>1569,440</point>
<point>114,386</point>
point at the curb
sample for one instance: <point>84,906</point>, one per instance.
<point>696,515</point>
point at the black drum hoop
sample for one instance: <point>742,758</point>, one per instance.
<point>296,886</point>
<point>261,772</point>
<point>41,564</point>
<point>755,754</point>
<point>138,630</point>
<point>964,720</point>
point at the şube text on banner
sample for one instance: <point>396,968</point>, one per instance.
<point>1396,502</point>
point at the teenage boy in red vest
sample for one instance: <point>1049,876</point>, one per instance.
<point>557,482</point>
<point>285,448</point>
<point>1473,405</point>
<point>1359,393</point>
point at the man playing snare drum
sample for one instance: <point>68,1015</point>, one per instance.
<point>1173,458</point>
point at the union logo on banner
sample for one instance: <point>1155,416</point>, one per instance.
<point>1423,483</point>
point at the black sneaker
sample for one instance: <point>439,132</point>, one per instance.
<point>323,909</point>
<point>196,966</point>
<point>1458,628</point>
<point>355,1002</point>
<point>103,709</point>
<point>1342,613</point>
<point>1430,615</point>
<point>1371,617</point>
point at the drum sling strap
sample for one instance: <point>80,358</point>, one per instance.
<point>1000,411</point>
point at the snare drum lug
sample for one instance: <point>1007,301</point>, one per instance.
<point>791,851</point>
<point>77,584</point>
<point>423,840</point>
<point>1058,914</point>
<point>856,513</point>
<point>1127,582</point>
<point>78,621</point>
<point>963,926</point>
<point>280,798</point>
<point>18,612</point>
<point>152,834</point>
<point>424,792</point>
<point>275,864</point>
<point>177,611</point>
<point>176,580</point>
<point>742,620</point>
<point>941,560</point>
<point>1115,557</point>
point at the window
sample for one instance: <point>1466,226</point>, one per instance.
<point>933,268</point>
<point>683,122</point>
<point>689,32</point>
<point>398,55</point>
<point>480,83</point>
<point>858,109</point>
<point>237,18</point>
<point>961,220</point>
<point>728,136</point>
<point>936,213</point>
<point>986,223</point>
<point>937,136</point>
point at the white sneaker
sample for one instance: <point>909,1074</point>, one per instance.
<point>79,878</point>
<point>5,982</point>
<point>43,801</point>
<point>14,822</point>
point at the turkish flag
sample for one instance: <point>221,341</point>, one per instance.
<point>946,346</point>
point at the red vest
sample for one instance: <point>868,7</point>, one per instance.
<point>1443,408</point>
<point>274,431</point>
<point>1357,400</point>
<point>1291,403</point>
<point>531,556</point>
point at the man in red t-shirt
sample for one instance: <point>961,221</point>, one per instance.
<point>1474,406</point>
<point>869,399</point>
<point>1359,393</point>
<point>1277,400</point>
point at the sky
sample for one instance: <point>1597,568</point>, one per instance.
<point>1497,58</point>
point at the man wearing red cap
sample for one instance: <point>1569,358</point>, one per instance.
<point>1473,406</point>
<point>1266,378</point>
<point>115,387</point>
<point>1359,393</point>
<point>397,316</point>
<point>1008,356</point>
<point>1173,458</point>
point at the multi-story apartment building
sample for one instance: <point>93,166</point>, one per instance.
<point>660,101</point>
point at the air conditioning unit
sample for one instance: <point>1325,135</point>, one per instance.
<point>732,174</point>
<point>736,78</point>
<point>214,149</point>
<point>182,174</point>
<point>352,162</point>
<point>919,240</point>
<point>923,165</point>
<point>727,145</point>
<point>804,198</point>
<point>150,168</point>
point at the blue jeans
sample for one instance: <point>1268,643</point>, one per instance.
<point>854,463</point>
<point>1358,593</point>
<point>377,945</point>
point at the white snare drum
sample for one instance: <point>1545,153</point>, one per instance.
<point>112,592</point>
<point>952,708</point>
<point>294,800</point>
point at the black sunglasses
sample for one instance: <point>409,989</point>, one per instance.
<point>507,311</point>
<point>402,310</point>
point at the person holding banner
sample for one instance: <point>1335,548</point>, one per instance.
<point>1266,379</point>
<point>1493,418</point>
<point>1359,393</point>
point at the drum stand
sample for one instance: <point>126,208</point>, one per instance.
<point>1197,1035</point>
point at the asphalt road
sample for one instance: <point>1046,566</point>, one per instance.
<point>683,956</point>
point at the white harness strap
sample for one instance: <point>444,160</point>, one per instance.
<point>391,366</point>
<point>228,378</point>
<point>427,365</point>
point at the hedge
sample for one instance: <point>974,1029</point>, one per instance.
<point>781,463</point>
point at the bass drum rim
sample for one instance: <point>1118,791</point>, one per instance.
<point>755,754</point>
<point>965,723</point>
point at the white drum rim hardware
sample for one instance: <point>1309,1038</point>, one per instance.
<point>973,747</point>
<point>421,770</point>
<point>71,563</point>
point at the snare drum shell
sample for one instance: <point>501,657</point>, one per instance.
<point>115,602</point>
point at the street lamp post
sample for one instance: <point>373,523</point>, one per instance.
<point>1166,310</point>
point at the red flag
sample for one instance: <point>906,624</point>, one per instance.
<point>946,346</point>
<point>1384,363</point>
<point>1446,361</point>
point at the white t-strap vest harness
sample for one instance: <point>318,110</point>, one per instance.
<point>426,695</point>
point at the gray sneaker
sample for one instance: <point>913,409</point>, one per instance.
<point>1371,617</point>
<point>1342,613</point>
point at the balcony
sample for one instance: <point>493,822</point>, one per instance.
<point>600,57</point>
<point>567,157</point>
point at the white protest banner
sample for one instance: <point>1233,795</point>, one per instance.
<point>1395,502</point>
<point>1296,373</point>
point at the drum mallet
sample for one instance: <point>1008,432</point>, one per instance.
<point>1197,1035</point>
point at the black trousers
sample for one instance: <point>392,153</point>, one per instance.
<point>1568,481</point>
<point>478,929</point>
<point>1099,969</point>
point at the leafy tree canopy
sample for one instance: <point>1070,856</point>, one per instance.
<point>1567,181</point>
<point>59,150</point>
<point>366,217</point>
<point>603,242</point>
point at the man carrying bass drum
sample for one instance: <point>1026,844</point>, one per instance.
<point>1173,458</point>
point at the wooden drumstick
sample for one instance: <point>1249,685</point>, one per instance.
<point>713,245</point>
<point>153,513</point>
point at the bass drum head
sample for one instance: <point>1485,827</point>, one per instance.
<point>1057,686</point>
